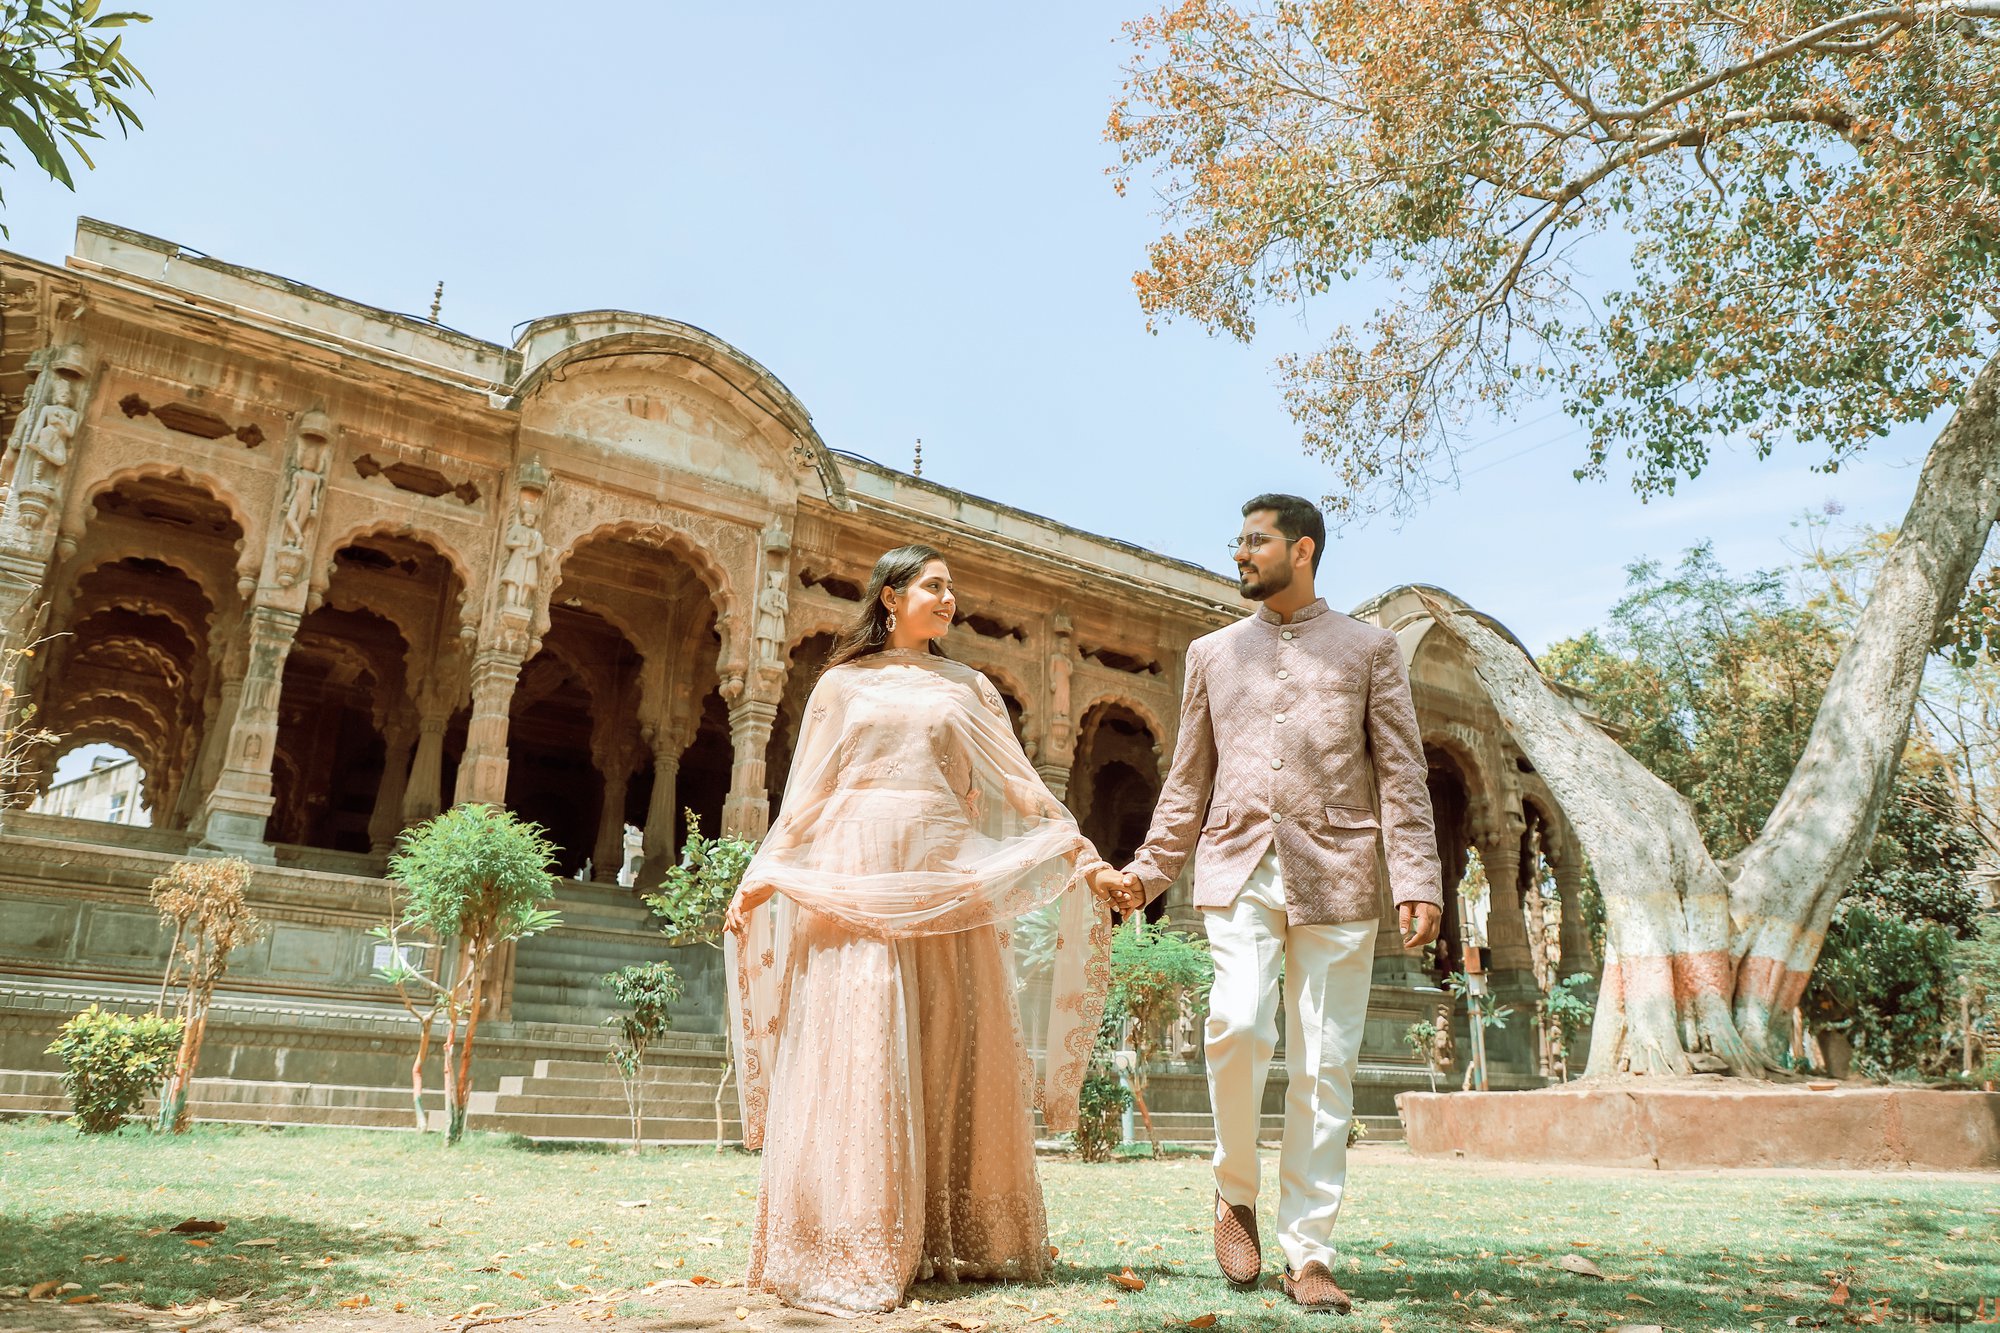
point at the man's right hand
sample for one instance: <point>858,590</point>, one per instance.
<point>1127,895</point>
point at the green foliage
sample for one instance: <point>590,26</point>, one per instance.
<point>1977,961</point>
<point>1100,1108</point>
<point>474,870</point>
<point>1562,1009</point>
<point>1713,682</point>
<point>1799,196</point>
<point>111,1062</point>
<point>1886,982</point>
<point>1491,1015</point>
<point>1418,1037</point>
<point>695,894</point>
<point>645,992</point>
<point>1157,975</point>
<point>62,72</point>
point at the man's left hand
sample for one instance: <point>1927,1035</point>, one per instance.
<point>1418,923</point>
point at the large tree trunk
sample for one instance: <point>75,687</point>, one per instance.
<point>1703,956</point>
<point>1666,986</point>
<point>1790,878</point>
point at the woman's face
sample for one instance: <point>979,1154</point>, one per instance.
<point>924,609</point>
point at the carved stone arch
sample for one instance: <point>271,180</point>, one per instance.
<point>1145,712</point>
<point>1481,795</point>
<point>149,607</point>
<point>94,557</point>
<point>666,536</point>
<point>562,348</point>
<point>221,492</point>
<point>446,550</point>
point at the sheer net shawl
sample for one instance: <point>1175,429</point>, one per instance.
<point>911,810</point>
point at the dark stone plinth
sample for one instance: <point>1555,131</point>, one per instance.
<point>1718,1124</point>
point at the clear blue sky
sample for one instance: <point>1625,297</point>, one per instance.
<point>900,209</point>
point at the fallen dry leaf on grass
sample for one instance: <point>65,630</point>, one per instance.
<point>198,1243</point>
<point>44,1289</point>
<point>1129,1280</point>
<point>634,1203</point>
<point>86,1298</point>
<point>241,1244</point>
<point>194,1224</point>
<point>1582,1267</point>
<point>1839,1294</point>
<point>1200,1321</point>
<point>355,1302</point>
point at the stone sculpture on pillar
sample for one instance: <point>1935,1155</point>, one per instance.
<point>772,606</point>
<point>43,442</point>
<point>312,446</point>
<point>521,571</point>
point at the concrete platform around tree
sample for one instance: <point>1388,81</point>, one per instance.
<point>1711,1123</point>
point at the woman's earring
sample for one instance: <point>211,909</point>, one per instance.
<point>892,622</point>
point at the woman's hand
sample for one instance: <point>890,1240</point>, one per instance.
<point>1116,887</point>
<point>746,901</point>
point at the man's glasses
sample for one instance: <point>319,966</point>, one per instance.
<point>1255,541</point>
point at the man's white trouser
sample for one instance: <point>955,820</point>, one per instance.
<point>1326,974</point>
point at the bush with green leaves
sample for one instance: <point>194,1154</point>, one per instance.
<point>1977,961</point>
<point>1159,977</point>
<point>645,993</point>
<point>112,1062</point>
<point>693,898</point>
<point>1560,1012</point>
<point>477,877</point>
<point>1100,1108</point>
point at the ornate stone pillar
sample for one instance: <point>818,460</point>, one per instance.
<point>1577,955</point>
<point>657,851</point>
<point>1057,778</point>
<point>234,813</point>
<point>747,811</point>
<point>423,791</point>
<point>482,773</point>
<point>607,858</point>
<point>398,738</point>
<point>1506,924</point>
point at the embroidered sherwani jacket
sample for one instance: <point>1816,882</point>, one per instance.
<point>1302,733</point>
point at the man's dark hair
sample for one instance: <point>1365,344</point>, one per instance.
<point>1297,517</point>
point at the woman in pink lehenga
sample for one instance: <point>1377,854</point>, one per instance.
<point>878,1041</point>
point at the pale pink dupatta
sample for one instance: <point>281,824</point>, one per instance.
<point>911,810</point>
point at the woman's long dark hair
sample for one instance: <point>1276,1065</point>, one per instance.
<point>868,632</point>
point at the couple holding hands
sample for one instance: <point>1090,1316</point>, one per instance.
<point>881,1062</point>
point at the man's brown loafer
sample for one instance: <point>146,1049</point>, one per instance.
<point>1237,1252</point>
<point>1315,1289</point>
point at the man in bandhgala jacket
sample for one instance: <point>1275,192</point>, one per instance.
<point>1298,758</point>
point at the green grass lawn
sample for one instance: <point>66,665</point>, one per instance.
<point>405,1222</point>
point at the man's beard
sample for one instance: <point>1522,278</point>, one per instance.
<point>1251,586</point>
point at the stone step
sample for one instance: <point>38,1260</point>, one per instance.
<point>610,1127</point>
<point>690,1108</point>
<point>610,1088</point>
<point>658,1064</point>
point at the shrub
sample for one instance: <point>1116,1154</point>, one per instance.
<point>111,1062</point>
<point>692,901</point>
<point>1100,1121</point>
<point>644,990</point>
<point>206,903</point>
<point>478,877</point>
<point>1887,983</point>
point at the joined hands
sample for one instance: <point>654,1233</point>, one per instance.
<point>1120,888</point>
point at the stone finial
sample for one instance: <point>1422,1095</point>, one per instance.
<point>917,467</point>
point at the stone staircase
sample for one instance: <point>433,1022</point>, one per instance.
<point>582,1100</point>
<point>605,927</point>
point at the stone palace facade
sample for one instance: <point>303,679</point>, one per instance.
<point>323,570</point>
